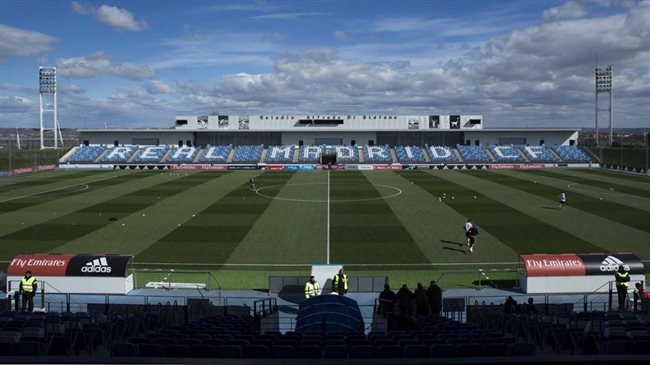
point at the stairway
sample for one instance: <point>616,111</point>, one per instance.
<point>69,154</point>
<point>393,155</point>
<point>296,154</point>
<point>169,151</point>
<point>523,155</point>
<point>489,153</point>
<point>361,158</point>
<point>263,156</point>
<point>458,155</point>
<point>231,155</point>
<point>101,155</point>
<point>425,153</point>
<point>555,154</point>
<point>197,158</point>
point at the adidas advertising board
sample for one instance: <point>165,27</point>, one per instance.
<point>581,264</point>
<point>88,265</point>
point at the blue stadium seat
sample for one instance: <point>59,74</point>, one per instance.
<point>215,154</point>
<point>473,154</point>
<point>410,154</point>
<point>248,154</point>
<point>177,351</point>
<point>280,154</point>
<point>150,154</point>
<point>494,349</point>
<point>505,153</point>
<point>442,154</point>
<point>617,347</point>
<point>468,350</point>
<point>309,351</point>
<point>389,351</point>
<point>182,155</point>
<point>539,154</point>
<point>377,154</point>
<point>572,154</point>
<point>255,352</point>
<point>120,154</point>
<point>86,154</point>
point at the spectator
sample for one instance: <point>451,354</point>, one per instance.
<point>387,301</point>
<point>641,297</point>
<point>435,298</point>
<point>405,297</point>
<point>510,306</point>
<point>530,307</point>
<point>421,301</point>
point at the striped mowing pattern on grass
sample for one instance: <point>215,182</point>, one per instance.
<point>521,232</point>
<point>366,231</point>
<point>594,182</point>
<point>48,196</point>
<point>50,234</point>
<point>613,211</point>
<point>619,175</point>
<point>18,184</point>
<point>214,233</point>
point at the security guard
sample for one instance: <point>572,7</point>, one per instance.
<point>28,290</point>
<point>340,283</point>
<point>312,288</point>
<point>622,280</point>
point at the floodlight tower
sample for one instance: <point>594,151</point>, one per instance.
<point>47,90</point>
<point>604,85</point>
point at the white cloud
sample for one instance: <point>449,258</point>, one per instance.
<point>21,42</point>
<point>71,89</point>
<point>341,35</point>
<point>286,16</point>
<point>157,87</point>
<point>16,104</point>
<point>99,63</point>
<point>570,9</point>
<point>113,16</point>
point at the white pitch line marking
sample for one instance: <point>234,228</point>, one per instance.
<point>57,189</point>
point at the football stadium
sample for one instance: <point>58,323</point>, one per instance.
<point>360,237</point>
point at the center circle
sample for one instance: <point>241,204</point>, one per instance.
<point>395,192</point>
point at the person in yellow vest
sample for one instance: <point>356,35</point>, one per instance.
<point>340,283</point>
<point>312,288</point>
<point>622,280</point>
<point>28,290</point>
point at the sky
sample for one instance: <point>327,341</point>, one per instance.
<point>523,63</point>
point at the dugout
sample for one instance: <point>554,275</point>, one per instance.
<point>576,273</point>
<point>74,273</point>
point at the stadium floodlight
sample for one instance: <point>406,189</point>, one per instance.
<point>603,78</point>
<point>47,91</point>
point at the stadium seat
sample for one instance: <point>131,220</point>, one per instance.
<point>309,351</point>
<point>248,154</point>
<point>468,350</point>
<point>183,154</point>
<point>441,350</point>
<point>362,352</point>
<point>617,347</point>
<point>283,352</point>
<point>410,154</point>
<point>377,154</point>
<point>572,154</point>
<point>125,350</point>
<point>204,351</point>
<point>388,351</point>
<point>215,154</point>
<point>230,351</point>
<point>280,154</point>
<point>119,154</point>
<point>505,153</point>
<point>149,154</point>
<point>255,352</point>
<point>336,352</point>
<point>86,154</point>
<point>521,349</point>
<point>539,154</point>
<point>494,349</point>
<point>473,154</point>
<point>151,350</point>
<point>416,351</point>
<point>29,348</point>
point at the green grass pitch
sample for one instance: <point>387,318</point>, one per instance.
<point>407,224</point>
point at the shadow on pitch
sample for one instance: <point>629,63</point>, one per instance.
<point>551,208</point>
<point>454,249</point>
<point>452,242</point>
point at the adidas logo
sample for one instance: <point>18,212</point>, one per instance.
<point>99,265</point>
<point>612,263</point>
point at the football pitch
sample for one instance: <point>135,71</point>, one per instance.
<point>406,225</point>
